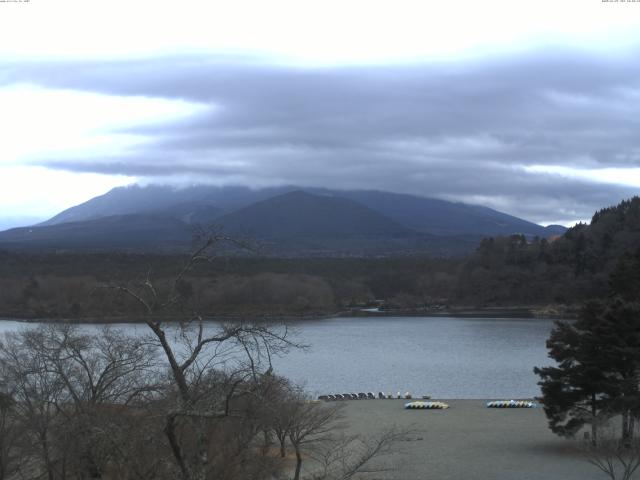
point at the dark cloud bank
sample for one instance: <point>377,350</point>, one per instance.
<point>450,130</point>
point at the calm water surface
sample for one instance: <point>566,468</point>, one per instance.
<point>442,357</point>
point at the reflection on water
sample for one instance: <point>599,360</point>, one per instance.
<point>442,357</point>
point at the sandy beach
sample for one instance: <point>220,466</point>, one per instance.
<point>470,441</point>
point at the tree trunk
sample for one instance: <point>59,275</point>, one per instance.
<point>298,463</point>
<point>283,450</point>
<point>267,442</point>
<point>203,450</point>
<point>625,429</point>
<point>594,421</point>
<point>170,431</point>
<point>178,373</point>
<point>47,459</point>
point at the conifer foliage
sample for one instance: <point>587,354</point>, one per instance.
<point>597,375</point>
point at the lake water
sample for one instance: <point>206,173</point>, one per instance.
<point>443,357</point>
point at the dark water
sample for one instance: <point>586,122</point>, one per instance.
<point>442,357</point>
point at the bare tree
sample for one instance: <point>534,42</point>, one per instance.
<point>36,393</point>
<point>190,350</point>
<point>617,458</point>
<point>317,430</point>
<point>284,401</point>
<point>310,423</point>
<point>65,385</point>
<point>10,436</point>
<point>105,368</point>
<point>347,456</point>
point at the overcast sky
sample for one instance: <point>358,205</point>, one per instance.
<point>532,108</point>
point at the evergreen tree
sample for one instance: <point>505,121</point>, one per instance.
<point>574,392</point>
<point>616,335</point>
<point>598,369</point>
<point>625,280</point>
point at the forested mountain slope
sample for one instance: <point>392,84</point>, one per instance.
<point>573,267</point>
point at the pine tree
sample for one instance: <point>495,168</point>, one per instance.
<point>625,279</point>
<point>598,369</point>
<point>574,392</point>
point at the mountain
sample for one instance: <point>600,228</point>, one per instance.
<point>292,224</point>
<point>423,214</point>
<point>285,220</point>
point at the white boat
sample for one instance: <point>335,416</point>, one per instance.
<point>426,405</point>
<point>511,404</point>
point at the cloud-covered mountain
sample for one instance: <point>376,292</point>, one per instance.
<point>286,220</point>
<point>203,204</point>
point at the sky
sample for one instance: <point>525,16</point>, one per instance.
<point>531,108</point>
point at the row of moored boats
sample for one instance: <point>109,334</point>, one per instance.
<point>420,405</point>
<point>367,396</point>
<point>492,404</point>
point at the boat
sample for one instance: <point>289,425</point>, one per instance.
<point>426,405</point>
<point>511,404</point>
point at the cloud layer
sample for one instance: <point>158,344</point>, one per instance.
<point>460,130</point>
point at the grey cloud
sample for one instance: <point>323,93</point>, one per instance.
<point>452,130</point>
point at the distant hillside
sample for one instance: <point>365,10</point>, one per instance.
<point>134,232</point>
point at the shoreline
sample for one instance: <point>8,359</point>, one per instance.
<point>541,312</point>
<point>563,312</point>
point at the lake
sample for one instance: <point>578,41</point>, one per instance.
<point>445,357</point>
